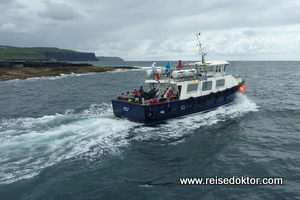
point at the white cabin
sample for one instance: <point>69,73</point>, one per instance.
<point>193,80</point>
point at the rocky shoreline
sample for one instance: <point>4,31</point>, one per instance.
<point>24,70</point>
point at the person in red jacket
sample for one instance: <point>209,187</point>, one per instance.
<point>179,66</point>
<point>136,92</point>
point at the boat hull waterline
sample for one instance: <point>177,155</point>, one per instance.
<point>159,112</point>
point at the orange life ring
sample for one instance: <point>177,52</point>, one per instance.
<point>157,76</point>
<point>170,93</point>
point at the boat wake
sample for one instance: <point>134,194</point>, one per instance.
<point>28,145</point>
<point>173,131</point>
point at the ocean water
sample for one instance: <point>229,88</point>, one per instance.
<point>59,139</point>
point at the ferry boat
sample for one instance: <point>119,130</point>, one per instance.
<point>196,87</point>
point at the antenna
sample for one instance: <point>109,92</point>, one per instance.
<point>201,49</point>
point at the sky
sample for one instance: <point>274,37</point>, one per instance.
<point>157,30</point>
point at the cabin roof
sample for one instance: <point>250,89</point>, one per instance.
<point>215,62</point>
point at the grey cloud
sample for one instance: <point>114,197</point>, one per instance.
<point>10,6</point>
<point>59,11</point>
<point>6,4</point>
<point>153,29</point>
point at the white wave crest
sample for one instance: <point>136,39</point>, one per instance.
<point>28,145</point>
<point>175,129</point>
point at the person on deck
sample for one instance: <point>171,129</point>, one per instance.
<point>153,67</point>
<point>141,90</point>
<point>135,92</point>
<point>121,96</point>
<point>142,97</point>
<point>131,96</point>
<point>152,93</point>
<point>179,66</point>
<point>168,68</point>
<point>154,70</point>
<point>127,95</point>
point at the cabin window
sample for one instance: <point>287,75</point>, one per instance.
<point>220,83</point>
<point>206,85</point>
<point>211,68</point>
<point>219,68</point>
<point>192,87</point>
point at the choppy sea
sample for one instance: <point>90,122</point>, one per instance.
<point>59,139</point>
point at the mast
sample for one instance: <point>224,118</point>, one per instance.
<point>201,49</point>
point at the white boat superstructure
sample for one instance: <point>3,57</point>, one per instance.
<point>193,80</point>
<point>179,91</point>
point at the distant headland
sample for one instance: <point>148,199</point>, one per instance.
<point>111,59</point>
<point>48,53</point>
<point>23,62</point>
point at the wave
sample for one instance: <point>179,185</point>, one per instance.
<point>51,77</point>
<point>174,130</point>
<point>28,145</point>
<point>124,70</point>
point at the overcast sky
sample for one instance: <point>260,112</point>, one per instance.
<point>154,30</point>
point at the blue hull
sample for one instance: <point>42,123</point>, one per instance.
<point>158,112</point>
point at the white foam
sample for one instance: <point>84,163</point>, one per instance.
<point>174,130</point>
<point>124,70</point>
<point>28,145</point>
<point>52,77</point>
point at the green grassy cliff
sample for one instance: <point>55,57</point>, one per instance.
<point>43,53</point>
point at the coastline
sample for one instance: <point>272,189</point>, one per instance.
<point>46,69</point>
